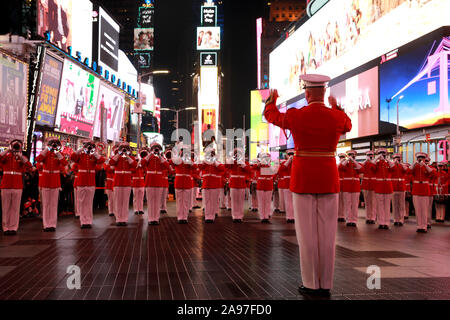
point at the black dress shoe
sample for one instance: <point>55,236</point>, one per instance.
<point>341,219</point>
<point>229,209</point>
<point>290,221</point>
<point>367,221</point>
<point>77,217</point>
<point>196,207</point>
<point>351,224</point>
<point>372,222</point>
<point>400,224</point>
<point>406,218</point>
<point>111,214</point>
<point>136,212</point>
<point>324,292</point>
<point>428,226</point>
<point>12,232</point>
<point>46,229</point>
<point>154,223</point>
<point>381,227</point>
<point>395,223</point>
<point>217,215</point>
<point>190,210</point>
<point>421,231</point>
<point>277,210</point>
<point>141,212</point>
<point>307,291</point>
<point>162,211</point>
<point>7,233</point>
<point>265,221</point>
<point>209,221</point>
<point>385,227</point>
<point>84,226</point>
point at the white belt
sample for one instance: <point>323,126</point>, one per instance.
<point>87,171</point>
<point>154,172</point>
<point>13,173</point>
<point>398,179</point>
<point>123,172</point>
<point>356,179</point>
<point>369,178</point>
<point>264,178</point>
<point>212,175</point>
<point>138,178</point>
<point>242,177</point>
<point>48,171</point>
<point>110,179</point>
<point>387,179</point>
<point>183,175</point>
<point>284,178</point>
<point>421,182</point>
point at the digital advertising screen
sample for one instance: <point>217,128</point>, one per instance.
<point>13,99</point>
<point>144,39</point>
<point>358,96</point>
<point>109,32</point>
<point>147,97</point>
<point>209,88</point>
<point>60,17</point>
<point>77,101</point>
<point>259,134</point>
<point>346,34</point>
<point>417,81</point>
<point>49,92</point>
<point>114,103</point>
<point>208,38</point>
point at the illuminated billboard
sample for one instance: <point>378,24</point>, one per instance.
<point>147,97</point>
<point>77,101</point>
<point>346,34</point>
<point>13,99</point>
<point>144,39</point>
<point>113,103</point>
<point>61,18</point>
<point>108,49</point>
<point>49,92</point>
<point>416,81</point>
<point>259,135</point>
<point>209,87</point>
<point>358,96</point>
<point>208,38</point>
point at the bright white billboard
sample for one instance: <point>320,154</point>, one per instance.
<point>208,38</point>
<point>346,34</point>
<point>209,87</point>
<point>113,102</point>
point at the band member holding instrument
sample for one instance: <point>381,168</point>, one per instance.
<point>196,182</point>
<point>13,164</point>
<point>166,174</point>
<point>109,185</point>
<point>264,186</point>
<point>399,172</point>
<point>408,188</point>
<point>351,188</point>
<point>421,173</point>
<point>138,183</point>
<point>316,130</point>
<point>123,164</point>
<point>52,161</point>
<point>368,187</point>
<point>238,170</point>
<point>155,167</point>
<point>87,159</point>
<point>341,212</point>
<point>432,185</point>
<point>212,171</point>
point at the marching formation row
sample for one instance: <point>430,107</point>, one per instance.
<point>223,185</point>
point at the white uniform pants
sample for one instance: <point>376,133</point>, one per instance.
<point>370,203</point>
<point>122,203</point>
<point>110,194</point>
<point>276,200</point>
<point>430,210</point>
<point>184,202</point>
<point>282,206</point>
<point>237,203</point>
<point>11,208</point>
<point>315,226</point>
<point>211,200</point>
<point>154,196</point>
<point>50,207</point>
<point>421,209</point>
<point>264,204</point>
<point>138,199</point>
<point>341,212</point>
<point>85,204</point>
<point>164,198</point>
<point>289,207</point>
<point>398,206</point>
<point>440,211</point>
<point>384,208</point>
<point>351,200</point>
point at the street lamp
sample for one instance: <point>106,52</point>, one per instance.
<point>140,101</point>
<point>177,111</point>
<point>398,125</point>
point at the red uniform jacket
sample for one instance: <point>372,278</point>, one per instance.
<point>138,176</point>
<point>398,174</point>
<point>12,171</point>
<point>86,168</point>
<point>183,175</point>
<point>51,169</point>
<point>368,182</point>
<point>442,182</point>
<point>284,175</point>
<point>264,178</point>
<point>40,167</point>
<point>166,173</point>
<point>237,175</point>
<point>316,130</point>
<point>109,185</point>
<point>382,172</point>
<point>433,182</point>
<point>211,175</point>
<point>155,171</point>
<point>350,179</point>
<point>408,180</point>
<point>122,171</point>
<point>420,181</point>
<point>195,176</point>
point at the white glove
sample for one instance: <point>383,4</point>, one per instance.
<point>59,156</point>
<point>130,161</point>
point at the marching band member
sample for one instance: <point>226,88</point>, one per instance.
<point>212,172</point>
<point>109,185</point>
<point>421,190</point>
<point>196,181</point>
<point>442,187</point>
<point>408,196</point>
<point>138,184</point>
<point>13,164</point>
<point>316,130</point>
<point>284,174</point>
<point>264,186</point>
<point>368,188</point>
<point>52,160</point>
<point>155,167</point>
<point>398,173</point>
<point>351,188</point>
<point>74,168</point>
<point>253,182</point>
<point>166,174</point>
<point>275,195</point>
<point>87,159</point>
<point>183,182</point>
<point>432,185</point>
<point>123,164</point>
<point>341,212</point>
<point>383,188</point>
<point>238,170</point>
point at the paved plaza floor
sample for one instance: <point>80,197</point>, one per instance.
<point>223,261</point>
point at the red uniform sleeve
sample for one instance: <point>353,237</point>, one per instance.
<point>282,120</point>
